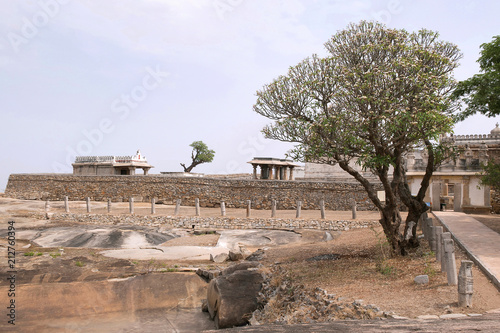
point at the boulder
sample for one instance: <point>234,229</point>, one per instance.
<point>235,256</point>
<point>421,279</point>
<point>232,296</point>
<point>220,258</point>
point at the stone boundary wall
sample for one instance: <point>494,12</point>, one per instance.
<point>214,222</point>
<point>235,193</point>
<point>495,201</point>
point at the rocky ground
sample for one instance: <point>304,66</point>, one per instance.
<point>350,275</point>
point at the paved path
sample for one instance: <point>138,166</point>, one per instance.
<point>480,242</point>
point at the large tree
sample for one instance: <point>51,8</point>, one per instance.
<point>200,154</point>
<point>481,93</point>
<point>378,94</point>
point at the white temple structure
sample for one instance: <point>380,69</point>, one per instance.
<point>110,165</point>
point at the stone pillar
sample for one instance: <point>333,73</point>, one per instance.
<point>47,206</point>
<point>444,236</point>
<point>432,238</point>
<point>254,171</point>
<point>444,188</point>
<point>177,207</point>
<point>291,173</point>
<point>487,196</point>
<point>466,192</point>
<point>322,208</point>
<point>249,207</point>
<point>438,232</point>
<point>197,206</point>
<point>273,208</point>
<point>282,173</point>
<point>450,265</point>
<point>222,208</point>
<point>285,173</point>
<point>299,206</point>
<point>457,197</point>
<point>131,205</point>
<point>271,175</point>
<point>88,204</point>
<point>109,205</point>
<point>465,284</point>
<point>436,195</point>
<point>66,204</point>
<point>354,210</point>
<point>409,231</point>
<point>146,171</point>
<point>153,207</point>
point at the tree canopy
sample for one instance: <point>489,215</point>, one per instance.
<point>378,94</point>
<point>481,92</point>
<point>200,154</point>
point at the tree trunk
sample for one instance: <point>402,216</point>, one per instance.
<point>191,167</point>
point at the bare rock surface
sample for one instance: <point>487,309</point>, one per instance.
<point>487,324</point>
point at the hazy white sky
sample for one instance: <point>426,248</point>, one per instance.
<point>108,77</point>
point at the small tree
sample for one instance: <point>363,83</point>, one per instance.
<point>491,175</point>
<point>481,92</point>
<point>380,93</point>
<point>200,154</point>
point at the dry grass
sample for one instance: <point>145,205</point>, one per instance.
<point>364,272</point>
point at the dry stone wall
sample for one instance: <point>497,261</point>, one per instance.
<point>495,201</point>
<point>213,222</point>
<point>210,191</point>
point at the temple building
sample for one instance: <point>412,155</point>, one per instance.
<point>110,165</point>
<point>273,168</point>
<point>455,185</point>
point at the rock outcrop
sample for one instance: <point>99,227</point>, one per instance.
<point>232,296</point>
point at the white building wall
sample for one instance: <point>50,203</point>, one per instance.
<point>476,193</point>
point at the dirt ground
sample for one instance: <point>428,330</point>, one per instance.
<point>362,272</point>
<point>364,269</point>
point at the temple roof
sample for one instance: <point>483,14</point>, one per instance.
<point>272,161</point>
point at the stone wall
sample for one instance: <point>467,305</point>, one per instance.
<point>495,201</point>
<point>235,193</point>
<point>213,222</point>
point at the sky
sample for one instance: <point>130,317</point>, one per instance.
<point>109,77</point>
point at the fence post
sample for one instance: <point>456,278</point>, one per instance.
<point>222,208</point>
<point>88,204</point>
<point>451,266</point>
<point>153,208</point>
<point>444,235</point>
<point>47,206</point>
<point>197,206</point>
<point>177,207</point>
<point>438,232</point>
<point>432,238</point>
<point>66,204</point>
<point>249,207</point>
<point>465,284</point>
<point>299,206</point>
<point>322,208</point>
<point>131,205</point>
<point>273,208</point>
<point>354,210</point>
